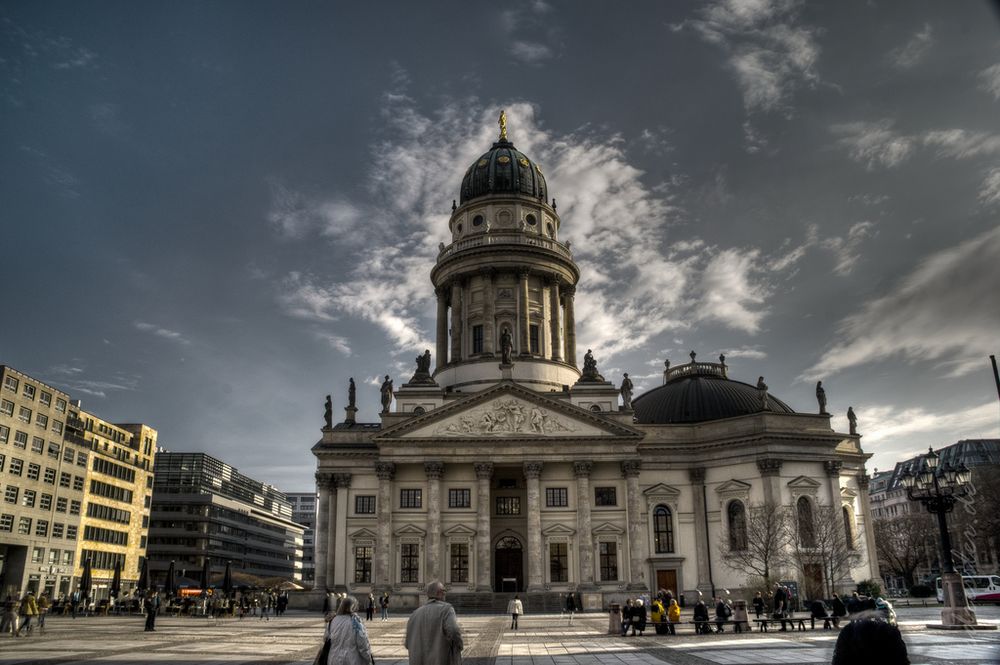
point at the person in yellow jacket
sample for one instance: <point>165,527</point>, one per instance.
<point>673,616</point>
<point>43,609</point>
<point>27,609</point>
<point>658,615</point>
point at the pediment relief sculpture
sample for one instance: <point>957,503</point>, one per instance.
<point>511,417</point>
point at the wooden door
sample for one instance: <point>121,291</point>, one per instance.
<point>667,580</point>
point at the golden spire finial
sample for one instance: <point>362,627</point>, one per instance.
<point>503,125</point>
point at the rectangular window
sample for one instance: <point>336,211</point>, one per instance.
<point>605,496</point>
<point>477,339</point>
<point>459,562</point>
<point>45,398</point>
<point>37,444</point>
<point>81,459</point>
<point>45,501</point>
<point>70,532</point>
<point>410,498</point>
<point>459,498</point>
<point>78,483</point>
<point>50,476</point>
<point>68,558</point>
<point>364,504</point>
<point>24,526</point>
<point>533,339</point>
<point>6,522</point>
<point>508,505</point>
<point>29,391</point>
<point>42,529</point>
<point>609,562</point>
<point>10,383</point>
<point>4,433</point>
<point>28,499</point>
<point>60,405</point>
<point>102,535</point>
<point>53,555</point>
<point>53,450</point>
<point>37,554</point>
<point>74,507</point>
<point>61,504</point>
<point>103,512</point>
<point>42,420</point>
<point>362,565</point>
<point>409,563</point>
<point>556,497</point>
<point>24,414</point>
<point>57,529</point>
<point>21,439</point>
<point>65,479</point>
<point>33,471</point>
<point>558,562</point>
<point>16,466</point>
<point>2,459</point>
<point>57,426</point>
<point>114,470</point>
<point>6,407</point>
<point>68,455</point>
<point>110,491</point>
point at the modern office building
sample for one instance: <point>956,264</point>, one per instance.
<point>204,507</point>
<point>304,513</point>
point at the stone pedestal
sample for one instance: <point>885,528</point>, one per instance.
<point>957,615</point>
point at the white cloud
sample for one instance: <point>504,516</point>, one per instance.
<point>962,144</point>
<point>294,215</point>
<point>891,424</point>
<point>945,311</point>
<point>874,143</point>
<point>847,249</point>
<point>913,51</point>
<point>751,352</point>
<point>530,32</point>
<point>336,342</point>
<point>302,298</point>
<point>530,52</point>
<point>989,191</point>
<point>990,80</point>
<point>730,292</point>
<point>158,331</point>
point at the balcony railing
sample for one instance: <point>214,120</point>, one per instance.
<point>506,238</point>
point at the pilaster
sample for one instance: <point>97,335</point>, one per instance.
<point>442,327</point>
<point>697,477</point>
<point>532,473</point>
<point>770,470</point>
<point>583,524</point>
<point>457,321</point>
<point>569,293</point>
<point>866,510</point>
<point>323,485</point>
<point>484,569</point>
<point>832,468</point>
<point>524,312</point>
<point>434,471</point>
<point>383,574</point>
<point>636,532</point>
<point>338,558</point>
<point>556,343</point>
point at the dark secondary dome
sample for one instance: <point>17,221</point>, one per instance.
<point>503,170</point>
<point>698,392</point>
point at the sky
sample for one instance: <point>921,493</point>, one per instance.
<point>215,213</point>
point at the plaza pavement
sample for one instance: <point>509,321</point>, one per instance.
<point>541,640</point>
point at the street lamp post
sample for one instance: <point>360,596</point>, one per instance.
<point>938,488</point>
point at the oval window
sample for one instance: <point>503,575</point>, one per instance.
<point>477,220</point>
<point>530,219</point>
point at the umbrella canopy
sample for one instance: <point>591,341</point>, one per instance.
<point>288,585</point>
<point>227,579</point>
<point>143,583</point>
<point>206,572</point>
<point>170,584</point>
<point>86,580</point>
<point>116,581</point>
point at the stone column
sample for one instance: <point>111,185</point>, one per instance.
<point>323,484</point>
<point>484,553</point>
<point>331,535</point>
<point>337,560</point>
<point>457,321</point>
<point>434,471</point>
<point>569,292</point>
<point>770,469</point>
<point>833,468</point>
<point>636,528</point>
<point>866,515</point>
<point>697,477</point>
<point>442,327</point>
<point>383,574</point>
<point>532,472</point>
<point>556,343</point>
<point>489,311</point>
<point>583,527</point>
<point>524,315</point>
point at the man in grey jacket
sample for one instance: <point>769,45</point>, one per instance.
<point>432,633</point>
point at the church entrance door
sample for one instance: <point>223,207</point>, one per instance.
<point>508,566</point>
<point>667,580</point>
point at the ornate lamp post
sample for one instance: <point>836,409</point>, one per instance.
<point>938,487</point>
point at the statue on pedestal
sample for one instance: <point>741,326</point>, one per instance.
<point>626,392</point>
<point>423,373</point>
<point>852,419</point>
<point>351,394</point>
<point>328,412</point>
<point>506,347</point>
<point>762,387</point>
<point>821,397</point>
<point>590,373</point>
<point>387,394</point>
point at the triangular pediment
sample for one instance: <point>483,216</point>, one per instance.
<point>733,487</point>
<point>363,533</point>
<point>508,411</point>
<point>460,530</point>
<point>804,483</point>
<point>410,530</point>
<point>608,528</point>
<point>558,530</point>
<point>662,490</point>
<point>848,493</point>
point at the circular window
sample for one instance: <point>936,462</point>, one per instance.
<point>459,227</point>
<point>477,220</point>
<point>530,219</point>
<point>595,407</point>
<point>418,411</point>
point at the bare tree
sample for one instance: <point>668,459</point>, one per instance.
<point>758,546</point>
<point>823,547</point>
<point>900,543</point>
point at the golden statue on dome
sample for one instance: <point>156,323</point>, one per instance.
<point>503,125</point>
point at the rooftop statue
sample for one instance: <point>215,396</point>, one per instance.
<point>387,394</point>
<point>328,412</point>
<point>626,392</point>
<point>503,125</point>
<point>762,387</point>
<point>351,394</point>
<point>423,373</point>
<point>852,419</point>
<point>821,397</point>
<point>590,373</point>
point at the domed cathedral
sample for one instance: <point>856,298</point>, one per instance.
<point>509,469</point>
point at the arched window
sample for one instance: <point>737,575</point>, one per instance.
<point>737,526</point>
<point>663,529</point>
<point>595,407</point>
<point>807,534</point>
<point>848,532</point>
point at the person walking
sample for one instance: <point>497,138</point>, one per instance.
<point>758,604</point>
<point>8,623</point>
<point>348,638</point>
<point>432,633</point>
<point>43,609</point>
<point>515,609</point>
<point>383,604</point>
<point>570,606</point>
<point>28,609</point>
<point>370,607</point>
<point>149,607</point>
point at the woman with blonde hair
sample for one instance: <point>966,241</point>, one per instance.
<point>347,636</point>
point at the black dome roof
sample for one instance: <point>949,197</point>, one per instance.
<point>695,397</point>
<point>503,170</point>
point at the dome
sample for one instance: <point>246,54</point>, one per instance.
<point>503,170</point>
<point>699,392</point>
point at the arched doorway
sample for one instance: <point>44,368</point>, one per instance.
<point>508,565</point>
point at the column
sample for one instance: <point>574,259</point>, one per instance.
<point>866,513</point>
<point>489,311</point>
<point>832,468</point>
<point>456,321</point>
<point>697,477</point>
<point>532,472</point>
<point>434,471</point>
<point>442,326</point>
<point>322,524</point>
<point>584,536</point>
<point>385,472</point>
<point>770,469</point>
<point>556,344</point>
<point>337,560</point>
<point>524,312</point>
<point>568,292</point>
<point>636,528</point>
<point>331,535</point>
<point>484,553</point>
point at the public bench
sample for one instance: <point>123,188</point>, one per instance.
<point>797,622</point>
